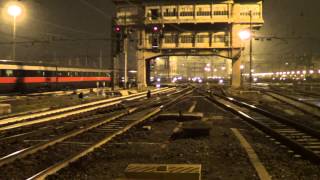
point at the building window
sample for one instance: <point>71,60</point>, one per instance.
<point>202,38</point>
<point>170,13</point>
<point>186,39</point>
<point>247,13</point>
<point>221,13</point>
<point>220,39</point>
<point>187,13</point>
<point>154,14</point>
<point>203,13</point>
<point>170,39</point>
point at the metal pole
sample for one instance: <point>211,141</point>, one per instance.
<point>251,38</point>
<point>125,50</point>
<point>125,62</point>
<point>14,39</point>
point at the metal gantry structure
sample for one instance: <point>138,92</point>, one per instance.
<point>183,28</point>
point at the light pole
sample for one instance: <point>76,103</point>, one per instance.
<point>14,11</point>
<point>250,73</point>
<point>247,35</point>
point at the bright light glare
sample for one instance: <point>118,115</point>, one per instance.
<point>14,10</point>
<point>245,35</point>
<point>242,67</point>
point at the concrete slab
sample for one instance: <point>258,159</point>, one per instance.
<point>184,116</point>
<point>250,92</point>
<point>124,92</point>
<point>164,171</point>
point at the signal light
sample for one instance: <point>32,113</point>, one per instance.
<point>155,28</point>
<point>117,29</point>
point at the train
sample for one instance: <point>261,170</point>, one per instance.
<point>23,77</point>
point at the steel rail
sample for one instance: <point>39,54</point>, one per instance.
<point>301,149</point>
<point>67,114</point>
<point>72,108</point>
<point>62,164</point>
<point>305,107</point>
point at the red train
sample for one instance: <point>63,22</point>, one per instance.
<point>28,77</point>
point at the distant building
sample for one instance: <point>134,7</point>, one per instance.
<point>181,28</point>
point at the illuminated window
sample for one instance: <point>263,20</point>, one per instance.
<point>202,38</point>
<point>170,12</point>
<point>221,13</point>
<point>200,12</point>
<point>219,38</point>
<point>169,39</point>
<point>186,39</point>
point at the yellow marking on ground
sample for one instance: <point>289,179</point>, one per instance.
<point>254,159</point>
<point>177,129</point>
<point>191,109</point>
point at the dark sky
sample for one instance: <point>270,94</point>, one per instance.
<point>88,22</point>
<point>296,22</point>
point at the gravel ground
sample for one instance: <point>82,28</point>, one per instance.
<point>272,105</point>
<point>280,163</point>
<point>220,154</point>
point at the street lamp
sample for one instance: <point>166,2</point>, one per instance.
<point>244,35</point>
<point>14,11</point>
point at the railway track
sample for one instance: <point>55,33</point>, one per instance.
<point>51,115</point>
<point>50,156</point>
<point>301,139</point>
<point>25,136</point>
<point>303,106</point>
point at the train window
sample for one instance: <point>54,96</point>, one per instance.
<point>9,73</point>
<point>49,73</point>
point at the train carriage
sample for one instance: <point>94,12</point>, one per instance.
<point>29,77</point>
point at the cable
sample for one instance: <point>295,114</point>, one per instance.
<point>96,9</point>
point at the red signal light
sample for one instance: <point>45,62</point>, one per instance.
<point>117,29</point>
<point>155,28</point>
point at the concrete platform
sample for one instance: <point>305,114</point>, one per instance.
<point>5,109</point>
<point>164,171</point>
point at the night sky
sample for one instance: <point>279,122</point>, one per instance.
<point>88,24</point>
